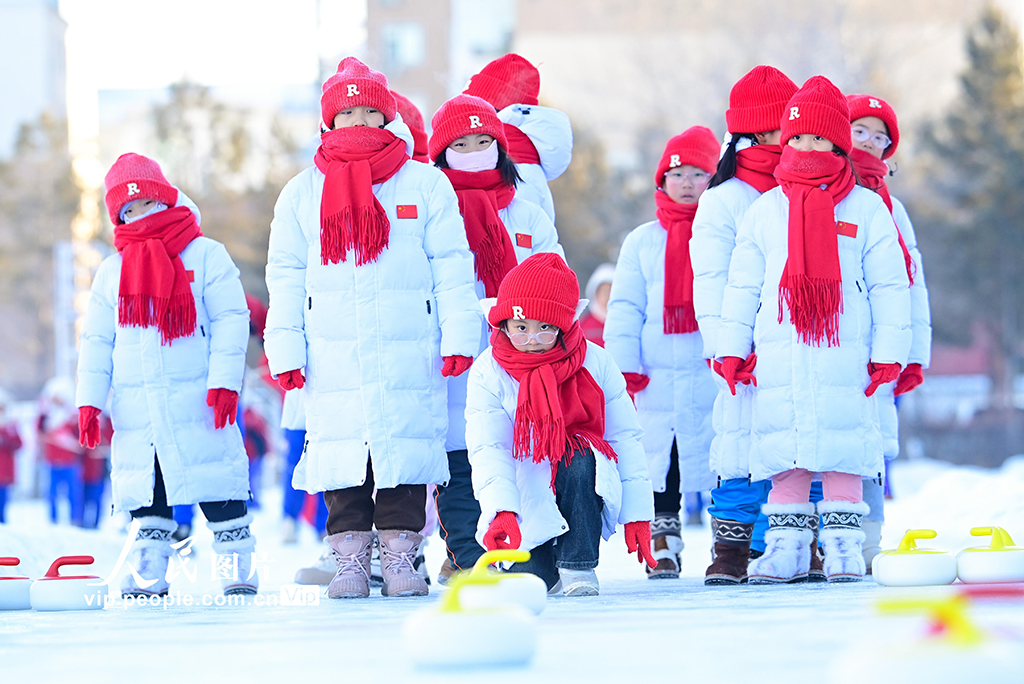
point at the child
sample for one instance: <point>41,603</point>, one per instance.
<point>468,143</point>
<point>876,135</point>
<point>652,334</point>
<point>58,437</point>
<point>745,171</point>
<point>10,442</point>
<point>539,138</point>
<point>599,290</point>
<point>553,437</point>
<point>167,329</point>
<point>818,284</point>
<point>413,118</point>
<point>371,293</point>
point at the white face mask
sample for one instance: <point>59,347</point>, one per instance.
<point>157,207</point>
<point>484,160</point>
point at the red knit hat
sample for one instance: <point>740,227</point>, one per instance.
<point>356,85</point>
<point>414,120</point>
<point>758,99</point>
<point>869,105</point>
<point>462,115</point>
<point>818,108</point>
<point>543,288</point>
<point>696,146</point>
<point>134,177</point>
<point>506,81</point>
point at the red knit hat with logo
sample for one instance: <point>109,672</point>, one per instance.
<point>818,108</point>
<point>506,81</point>
<point>757,100</point>
<point>542,288</point>
<point>356,85</point>
<point>134,177</point>
<point>869,105</point>
<point>462,115</point>
<point>696,146</point>
<point>414,120</point>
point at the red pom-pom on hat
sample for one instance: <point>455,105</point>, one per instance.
<point>818,108</point>
<point>542,288</point>
<point>696,146</point>
<point>462,115</point>
<point>356,85</point>
<point>869,105</point>
<point>506,81</point>
<point>134,177</point>
<point>758,99</point>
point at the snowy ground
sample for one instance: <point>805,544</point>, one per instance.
<point>635,629</point>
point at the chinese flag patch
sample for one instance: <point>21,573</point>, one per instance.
<point>524,240</point>
<point>406,211</point>
<point>191,276</point>
<point>847,229</point>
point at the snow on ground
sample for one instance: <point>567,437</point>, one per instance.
<point>635,629</point>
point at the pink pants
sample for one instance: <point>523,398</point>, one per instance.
<point>794,486</point>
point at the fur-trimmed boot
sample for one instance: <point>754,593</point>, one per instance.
<point>352,564</point>
<point>667,545</point>
<point>787,556</point>
<point>816,573</point>
<point>234,545</point>
<point>731,552</point>
<point>398,551</point>
<point>872,541</point>
<point>150,554</point>
<point>842,539</point>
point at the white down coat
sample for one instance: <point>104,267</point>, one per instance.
<point>526,225</point>
<point>809,409</point>
<point>551,133</point>
<point>676,405</point>
<point>371,338</point>
<point>714,236</point>
<point>503,483</point>
<point>159,403</point>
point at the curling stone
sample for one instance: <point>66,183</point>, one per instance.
<point>453,635</point>
<point>909,566</point>
<point>996,563</point>
<point>14,590</point>
<point>54,591</point>
<point>503,588</point>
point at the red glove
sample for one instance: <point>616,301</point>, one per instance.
<point>89,426</point>
<point>635,382</point>
<point>454,366</point>
<point>290,380</point>
<point>737,371</point>
<point>504,526</point>
<point>910,378</point>
<point>881,373</point>
<point>638,540</point>
<point>225,406</point>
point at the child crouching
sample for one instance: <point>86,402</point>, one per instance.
<point>552,435</point>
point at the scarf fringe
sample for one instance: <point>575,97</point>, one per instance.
<point>488,260</point>
<point>815,305</point>
<point>176,317</point>
<point>679,319</point>
<point>366,232</point>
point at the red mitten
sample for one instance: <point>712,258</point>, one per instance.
<point>635,382</point>
<point>729,369</point>
<point>638,540</point>
<point>89,426</point>
<point>503,527</point>
<point>455,366</point>
<point>290,380</point>
<point>225,406</point>
<point>910,378</point>
<point>881,373</point>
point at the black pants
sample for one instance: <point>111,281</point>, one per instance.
<point>353,509</point>
<point>459,512</point>
<point>215,511</point>
<point>579,504</point>
<point>668,501</point>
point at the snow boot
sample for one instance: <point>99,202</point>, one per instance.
<point>667,544</point>
<point>234,545</point>
<point>872,541</point>
<point>816,573</point>
<point>843,540</point>
<point>577,582</point>
<point>731,552</point>
<point>150,555</point>
<point>447,570</point>
<point>351,551</point>
<point>322,571</point>
<point>787,556</point>
<point>398,551</point>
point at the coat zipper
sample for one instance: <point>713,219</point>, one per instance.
<point>428,306</point>
<point>311,303</point>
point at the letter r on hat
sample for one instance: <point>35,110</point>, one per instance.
<point>874,104</point>
<point>474,121</point>
<point>353,89</point>
<point>673,161</point>
<point>794,113</point>
<point>517,313</point>
<point>133,189</point>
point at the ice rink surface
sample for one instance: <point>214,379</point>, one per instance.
<point>636,630</point>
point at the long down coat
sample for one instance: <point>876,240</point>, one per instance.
<point>551,133</point>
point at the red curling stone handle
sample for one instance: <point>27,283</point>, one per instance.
<point>9,560</point>
<point>54,570</point>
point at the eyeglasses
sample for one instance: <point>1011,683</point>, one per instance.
<point>522,339</point>
<point>695,177</point>
<point>879,140</point>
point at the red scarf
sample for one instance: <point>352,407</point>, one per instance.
<point>154,286</point>
<point>481,194</point>
<point>872,172</point>
<point>812,281</point>
<point>755,165</point>
<point>520,147</point>
<point>677,219</point>
<point>560,407</point>
<point>352,161</point>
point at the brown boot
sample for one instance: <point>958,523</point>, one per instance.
<point>666,553</point>
<point>731,552</point>
<point>446,572</point>
<point>352,555</point>
<point>817,571</point>
<point>397,563</point>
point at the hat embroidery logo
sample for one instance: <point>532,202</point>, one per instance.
<point>517,313</point>
<point>474,122</point>
<point>673,161</point>
<point>353,89</point>
<point>794,113</point>
<point>874,104</point>
<point>133,189</point>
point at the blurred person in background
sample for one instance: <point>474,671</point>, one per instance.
<point>95,473</point>
<point>599,289</point>
<point>10,443</point>
<point>58,438</point>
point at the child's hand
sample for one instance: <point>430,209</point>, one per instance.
<point>910,378</point>
<point>638,540</point>
<point>455,366</point>
<point>737,371</point>
<point>89,427</point>
<point>881,373</point>
<point>225,406</point>
<point>635,382</point>
<point>290,380</point>
<point>504,527</point>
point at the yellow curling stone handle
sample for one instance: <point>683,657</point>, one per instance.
<point>1001,540</point>
<point>480,575</point>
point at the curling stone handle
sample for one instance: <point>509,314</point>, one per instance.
<point>948,616</point>
<point>499,556</point>
<point>55,567</point>
<point>909,542</point>
<point>996,591</point>
<point>1000,537</point>
<point>9,560</point>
